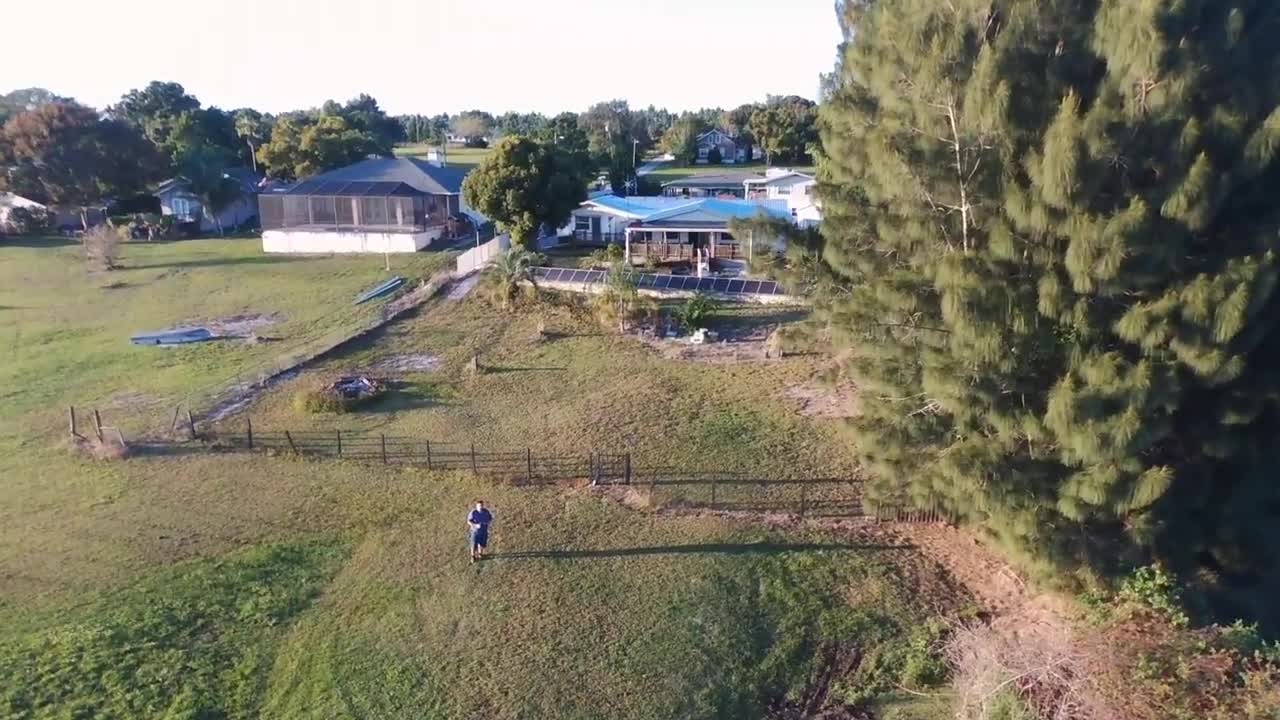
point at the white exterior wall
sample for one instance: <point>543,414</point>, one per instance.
<point>324,243</point>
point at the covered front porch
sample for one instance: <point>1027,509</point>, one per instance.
<point>668,244</point>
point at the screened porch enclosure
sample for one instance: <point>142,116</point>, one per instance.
<point>378,207</point>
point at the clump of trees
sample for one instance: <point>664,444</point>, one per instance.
<point>1057,227</point>
<point>785,128</point>
<point>528,187</point>
<point>306,143</point>
<point>62,153</point>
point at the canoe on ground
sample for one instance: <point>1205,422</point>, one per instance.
<point>380,289</point>
<point>172,337</point>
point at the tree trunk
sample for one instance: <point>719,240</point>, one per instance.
<point>253,156</point>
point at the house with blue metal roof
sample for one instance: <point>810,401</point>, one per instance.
<point>672,228</point>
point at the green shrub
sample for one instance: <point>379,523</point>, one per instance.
<point>603,257</point>
<point>1152,587</point>
<point>25,221</point>
<point>696,311</point>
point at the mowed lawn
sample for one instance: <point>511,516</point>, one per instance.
<point>189,584</point>
<point>584,389</point>
<point>463,157</point>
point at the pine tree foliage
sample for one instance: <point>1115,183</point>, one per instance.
<point>1062,217</point>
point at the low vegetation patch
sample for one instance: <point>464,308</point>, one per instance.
<point>340,395</point>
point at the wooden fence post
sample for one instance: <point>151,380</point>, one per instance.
<point>292,446</point>
<point>191,425</point>
<point>97,424</point>
<point>339,432</point>
<point>713,493</point>
<point>473,459</point>
<point>591,468</point>
<point>626,468</point>
<point>804,498</point>
<point>528,466</point>
<point>428,454</point>
<point>248,427</point>
<point>383,438</point>
<point>71,413</point>
<point>173,424</point>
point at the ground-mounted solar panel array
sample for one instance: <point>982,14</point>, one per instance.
<point>653,281</point>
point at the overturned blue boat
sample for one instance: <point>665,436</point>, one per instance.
<point>380,290</point>
<point>176,336</point>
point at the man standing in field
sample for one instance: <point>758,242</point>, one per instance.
<point>478,523</point>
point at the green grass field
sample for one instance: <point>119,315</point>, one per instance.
<point>188,584</point>
<point>459,156</point>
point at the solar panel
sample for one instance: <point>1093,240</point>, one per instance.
<point>735,286</point>
<point>577,276</point>
<point>720,286</point>
<point>554,274</point>
<point>752,287</point>
<point>645,281</point>
<point>706,284</point>
<point>661,281</point>
<point>594,276</point>
<point>769,288</point>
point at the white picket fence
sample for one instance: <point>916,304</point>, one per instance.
<point>478,257</point>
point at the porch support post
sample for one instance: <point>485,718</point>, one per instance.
<point>626,251</point>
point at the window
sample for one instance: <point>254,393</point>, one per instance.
<point>671,236</point>
<point>581,223</point>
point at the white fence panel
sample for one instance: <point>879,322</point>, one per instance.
<point>478,257</point>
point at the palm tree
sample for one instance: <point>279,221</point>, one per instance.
<point>510,271</point>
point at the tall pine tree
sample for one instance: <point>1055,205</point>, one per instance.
<point>1059,219</point>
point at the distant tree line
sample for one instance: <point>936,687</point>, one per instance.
<point>59,152</point>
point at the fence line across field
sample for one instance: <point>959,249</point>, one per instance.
<point>718,489</point>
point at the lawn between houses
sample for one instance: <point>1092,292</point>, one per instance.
<point>191,584</point>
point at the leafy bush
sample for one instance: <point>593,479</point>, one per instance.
<point>696,311</point>
<point>603,257</point>
<point>27,221</point>
<point>1151,587</point>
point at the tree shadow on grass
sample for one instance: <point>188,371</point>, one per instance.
<point>695,549</point>
<point>219,262</point>
<point>490,370</point>
<point>43,241</point>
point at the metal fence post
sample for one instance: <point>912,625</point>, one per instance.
<point>428,454</point>
<point>383,437</point>
<point>591,468</point>
<point>713,493</point>
<point>292,446</point>
<point>71,413</point>
<point>473,459</point>
<point>339,432</point>
<point>248,424</point>
<point>528,466</point>
<point>626,468</point>
<point>97,424</point>
<point>804,499</point>
<point>191,424</point>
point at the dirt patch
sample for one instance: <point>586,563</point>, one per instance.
<point>406,362</point>
<point>130,400</point>
<point>241,325</point>
<point>815,399</point>
<point>719,352</point>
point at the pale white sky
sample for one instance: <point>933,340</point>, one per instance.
<point>425,56</point>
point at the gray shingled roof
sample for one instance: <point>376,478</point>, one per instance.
<point>713,180</point>
<point>417,174</point>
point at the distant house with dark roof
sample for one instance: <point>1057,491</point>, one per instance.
<point>376,205</point>
<point>730,149</point>
<point>184,206</point>
<point>723,185</point>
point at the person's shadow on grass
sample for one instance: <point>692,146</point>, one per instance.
<point>767,548</point>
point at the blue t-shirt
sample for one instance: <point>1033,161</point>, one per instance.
<point>481,518</point>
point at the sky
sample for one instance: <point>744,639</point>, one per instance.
<point>426,56</point>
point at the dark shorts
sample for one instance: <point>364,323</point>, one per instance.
<point>479,538</point>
